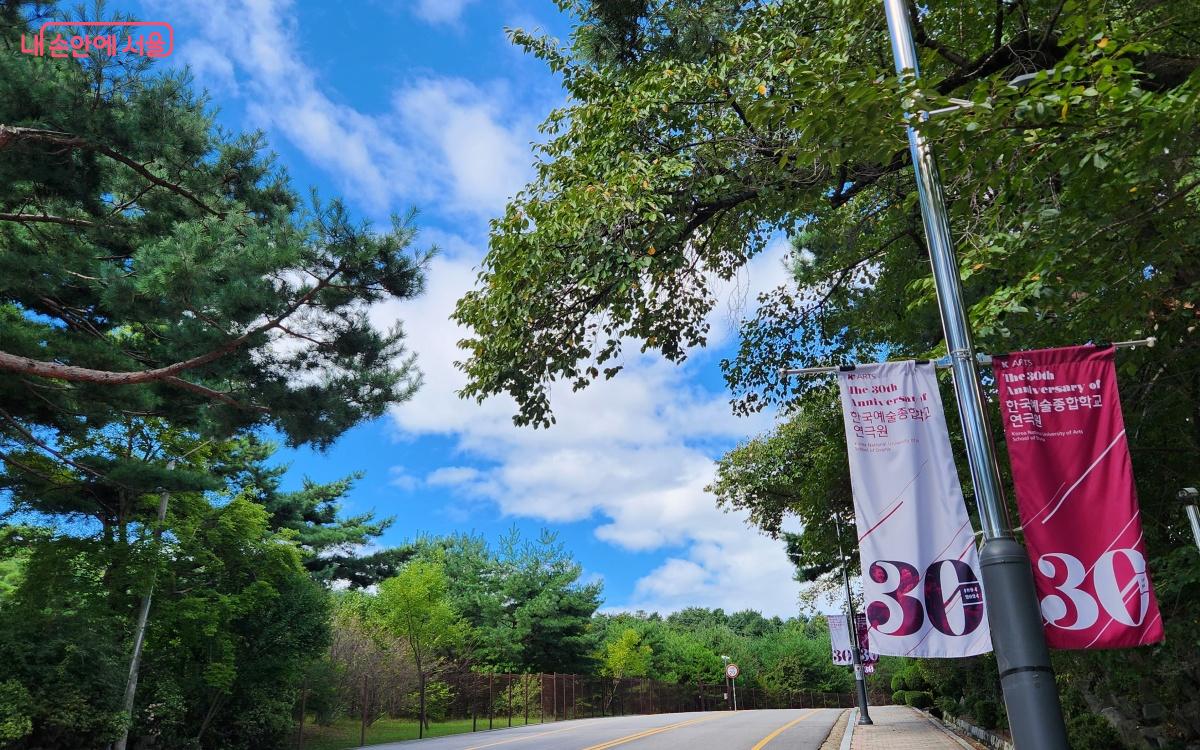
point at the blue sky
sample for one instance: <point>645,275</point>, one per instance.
<point>399,103</point>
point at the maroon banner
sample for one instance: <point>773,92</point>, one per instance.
<point>1079,508</point>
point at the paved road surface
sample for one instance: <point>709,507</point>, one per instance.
<point>789,729</point>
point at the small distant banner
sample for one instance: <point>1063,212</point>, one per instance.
<point>920,565</point>
<point>1079,508</point>
<point>839,636</point>
<point>869,657</point>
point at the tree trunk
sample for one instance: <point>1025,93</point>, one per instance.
<point>139,630</point>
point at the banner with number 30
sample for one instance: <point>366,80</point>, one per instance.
<point>1079,508</point>
<point>919,559</point>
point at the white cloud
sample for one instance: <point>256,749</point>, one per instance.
<point>441,11</point>
<point>382,162</point>
<point>631,453</point>
<point>399,477</point>
<point>451,476</point>
<point>483,162</point>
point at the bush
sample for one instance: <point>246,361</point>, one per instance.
<point>914,679</point>
<point>985,713</point>
<point>898,681</point>
<point>948,706</point>
<point>898,697</point>
<point>438,698</point>
<point>918,698</point>
<point>15,710</point>
<point>1092,732</point>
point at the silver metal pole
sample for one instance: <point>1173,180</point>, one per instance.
<point>1193,514</point>
<point>1030,695</point>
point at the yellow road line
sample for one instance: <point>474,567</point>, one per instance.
<point>649,732</point>
<point>523,737</point>
<point>763,742</point>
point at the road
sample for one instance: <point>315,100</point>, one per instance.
<point>785,729</point>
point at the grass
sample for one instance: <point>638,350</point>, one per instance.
<point>344,733</point>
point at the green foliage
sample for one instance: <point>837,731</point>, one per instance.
<point>438,698</point>
<point>1092,732</point>
<point>627,655</point>
<point>525,602</point>
<point>986,713</point>
<point>948,706</point>
<point>313,515</point>
<point>918,698</point>
<point>15,711</point>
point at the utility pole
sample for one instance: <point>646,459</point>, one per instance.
<point>860,678</point>
<point>1030,695</point>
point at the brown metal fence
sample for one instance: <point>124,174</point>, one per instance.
<point>469,701</point>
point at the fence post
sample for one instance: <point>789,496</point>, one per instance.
<point>491,700</point>
<point>525,687</point>
<point>473,681</point>
<point>510,700</point>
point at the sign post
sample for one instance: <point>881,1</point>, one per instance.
<point>731,673</point>
<point>1030,694</point>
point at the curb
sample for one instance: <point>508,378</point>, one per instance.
<point>848,736</point>
<point>946,730</point>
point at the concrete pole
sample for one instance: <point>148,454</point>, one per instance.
<point>1030,695</point>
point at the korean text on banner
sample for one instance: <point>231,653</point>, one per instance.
<point>920,565</point>
<point>1075,492</point>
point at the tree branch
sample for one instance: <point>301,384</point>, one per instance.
<point>224,398</point>
<point>46,219</point>
<point>59,371</point>
<point>9,135</point>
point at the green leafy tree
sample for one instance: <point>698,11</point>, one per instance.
<point>525,601</point>
<point>330,541</point>
<point>415,605</point>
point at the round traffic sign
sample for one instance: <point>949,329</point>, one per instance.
<point>732,671</point>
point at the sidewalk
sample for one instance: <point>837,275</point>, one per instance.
<point>902,728</point>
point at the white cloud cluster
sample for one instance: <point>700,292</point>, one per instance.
<point>442,141</point>
<point>441,11</point>
<point>632,454</point>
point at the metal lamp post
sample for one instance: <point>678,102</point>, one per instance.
<point>1030,694</point>
<point>724,668</point>
<point>860,678</point>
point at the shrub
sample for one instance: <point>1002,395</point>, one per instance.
<point>948,706</point>
<point>898,681</point>
<point>898,697</point>
<point>918,698</point>
<point>15,710</point>
<point>985,713</point>
<point>914,679</point>
<point>1092,732</point>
